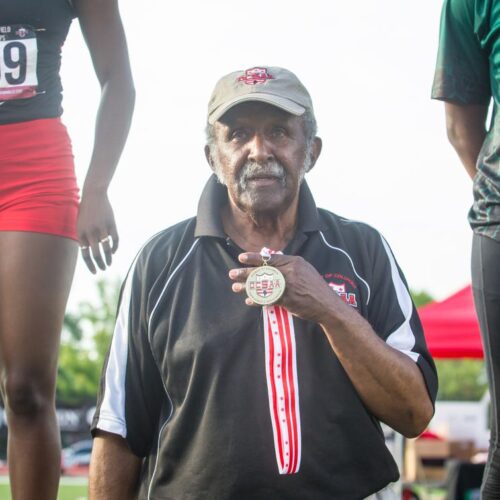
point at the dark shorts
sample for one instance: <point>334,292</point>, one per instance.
<point>38,190</point>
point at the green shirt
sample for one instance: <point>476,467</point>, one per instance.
<point>468,72</point>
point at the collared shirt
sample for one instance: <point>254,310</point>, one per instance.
<point>193,381</point>
<point>468,72</point>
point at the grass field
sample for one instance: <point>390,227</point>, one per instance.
<point>430,493</point>
<point>70,489</point>
<point>76,489</point>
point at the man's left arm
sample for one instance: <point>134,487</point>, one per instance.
<point>388,381</point>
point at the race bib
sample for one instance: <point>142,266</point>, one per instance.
<point>18,56</point>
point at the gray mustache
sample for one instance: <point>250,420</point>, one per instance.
<point>252,169</point>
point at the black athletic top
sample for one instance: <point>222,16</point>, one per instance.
<point>32,33</point>
<point>186,382</point>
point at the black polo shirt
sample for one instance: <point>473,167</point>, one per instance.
<point>185,380</point>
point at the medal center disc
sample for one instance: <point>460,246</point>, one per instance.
<point>265,285</point>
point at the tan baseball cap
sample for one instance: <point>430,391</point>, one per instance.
<point>276,86</point>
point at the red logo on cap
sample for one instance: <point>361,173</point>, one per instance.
<point>255,75</point>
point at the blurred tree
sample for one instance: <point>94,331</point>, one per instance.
<point>459,379</point>
<point>86,336</point>
<point>421,298</point>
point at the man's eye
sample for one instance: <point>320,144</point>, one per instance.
<point>238,134</point>
<point>278,132</point>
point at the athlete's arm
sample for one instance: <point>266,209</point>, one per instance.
<point>465,125</point>
<point>114,469</point>
<point>103,31</point>
<point>389,383</point>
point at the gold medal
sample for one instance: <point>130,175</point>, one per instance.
<point>265,285</point>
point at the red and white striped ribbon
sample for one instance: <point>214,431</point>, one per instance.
<point>282,385</point>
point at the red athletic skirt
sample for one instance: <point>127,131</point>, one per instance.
<point>38,190</point>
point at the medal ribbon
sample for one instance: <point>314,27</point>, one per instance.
<point>282,385</point>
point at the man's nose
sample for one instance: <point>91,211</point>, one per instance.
<point>260,150</point>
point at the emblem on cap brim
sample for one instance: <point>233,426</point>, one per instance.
<point>255,76</point>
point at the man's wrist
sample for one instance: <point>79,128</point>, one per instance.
<point>334,313</point>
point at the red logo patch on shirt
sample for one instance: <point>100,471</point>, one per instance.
<point>255,76</point>
<point>342,289</point>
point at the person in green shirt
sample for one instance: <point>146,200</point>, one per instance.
<point>467,78</point>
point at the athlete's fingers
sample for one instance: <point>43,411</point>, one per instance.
<point>96,253</point>
<point>85,251</point>
<point>113,232</point>
<point>105,243</point>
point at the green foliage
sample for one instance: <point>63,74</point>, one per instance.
<point>421,298</point>
<point>86,337</point>
<point>461,379</point>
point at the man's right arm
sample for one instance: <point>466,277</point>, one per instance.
<point>114,469</point>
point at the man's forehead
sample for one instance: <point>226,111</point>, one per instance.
<point>254,110</point>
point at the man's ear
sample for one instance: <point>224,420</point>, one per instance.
<point>315,151</point>
<point>208,156</point>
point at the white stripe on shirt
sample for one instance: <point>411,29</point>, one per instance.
<point>402,338</point>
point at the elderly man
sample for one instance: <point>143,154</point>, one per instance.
<point>259,345</point>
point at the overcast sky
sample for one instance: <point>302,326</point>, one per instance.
<point>368,66</point>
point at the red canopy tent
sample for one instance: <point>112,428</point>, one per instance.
<point>451,327</point>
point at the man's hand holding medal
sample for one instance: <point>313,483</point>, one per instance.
<point>285,280</point>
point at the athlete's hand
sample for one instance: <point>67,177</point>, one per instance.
<point>97,230</point>
<point>306,295</point>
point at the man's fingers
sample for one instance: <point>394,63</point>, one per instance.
<point>256,259</point>
<point>238,287</point>
<point>251,258</point>
<point>240,274</point>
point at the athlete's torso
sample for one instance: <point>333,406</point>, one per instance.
<point>32,33</point>
<point>484,215</point>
